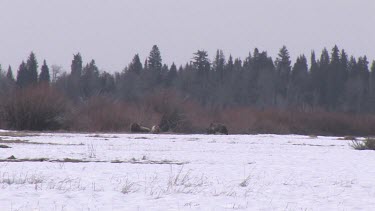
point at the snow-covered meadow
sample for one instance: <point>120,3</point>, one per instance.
<point>65,171</point>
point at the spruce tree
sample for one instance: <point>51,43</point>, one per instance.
<point>201,66</point>
<point>146,65</point>
<point>90,79</point>
<point>76,67</point>
<point>164,73</point>
<point>372,87</point>
<point>201,62</point>
<point>32,69</point>
<point>22,75</point>
<point>10,74</point>
<point>321,82</point>
<point>219,65</point>
<point>333,79</point>
<point>283,69</point>
<point>172,74</point>
<point>135,66</point>
<point>314,80</point>
<point>44,76</point>
<point>230,65</point>
<point>299,81</point>
<point>343,66</point>
<point>153,75</point>
<point>283,63</point>
<point>154,59</point>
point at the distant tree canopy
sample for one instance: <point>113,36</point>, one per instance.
<point>331,81</point>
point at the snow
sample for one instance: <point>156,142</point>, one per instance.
<point>185,172</point>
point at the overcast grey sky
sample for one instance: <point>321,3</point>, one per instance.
<point>112,31</point>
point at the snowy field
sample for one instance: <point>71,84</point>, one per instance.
<point>63,171</point>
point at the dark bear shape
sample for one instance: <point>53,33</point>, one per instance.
<point>217,129</point>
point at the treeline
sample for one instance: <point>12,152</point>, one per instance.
<point>330,83</point>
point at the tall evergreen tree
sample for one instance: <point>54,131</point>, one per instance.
<point>74,80</point>
<point>299,82</point>
<point>172,74</point>
<point>314,80</point>
<point>135,66</point>
<point>219,65</point>
<point>76,66</point>
<point>146,65</point>
<point>154,59</point>
<point>201,63</point>
<point>321,80</point>
<point>333,79</point>
<point>230,65</point>
<point>202,66</point>
<point>44,76</point>
<point>23,76</point>
<point>372,87</point>
<point>283,69</point>
<point>372,79</point>
<point>10,74</point>
<point>32,69</point>
<point>283,63</point>
<point>344,66</point>
<point>90,80</point>
<point>152,76</point>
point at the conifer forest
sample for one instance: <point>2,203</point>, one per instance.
<point>327,92</point>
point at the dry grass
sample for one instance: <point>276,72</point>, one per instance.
<point>246,181</point>
<point>143,160</point>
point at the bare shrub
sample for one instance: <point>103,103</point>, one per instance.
<point>250,120</point>
<point>370,143</point>
<point>91,150</point>
<point>21,179</point>
<point>35,108</point>
<point>128,187</point>
<point>358,145</point>
<point>245,182</point>
<point>184,182</point>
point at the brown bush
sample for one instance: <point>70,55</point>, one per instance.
<point>42,108</point>
<point>106,114</point>
<point>35,108</point>
<point>250,120</point>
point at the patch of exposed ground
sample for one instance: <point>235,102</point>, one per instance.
<point>316,145</point>
<point>19,141</point>
<point>17,134</point>
<point>140,138</point>
<point>13,159</point>
<point>102,136</point>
